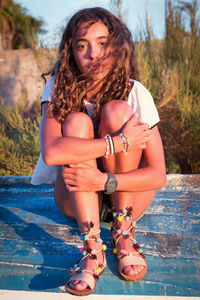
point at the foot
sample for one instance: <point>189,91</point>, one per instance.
<point>87,264</point>
<point>127,245</point>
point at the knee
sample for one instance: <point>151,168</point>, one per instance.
<point>113,116</point>
<point>78,124</point>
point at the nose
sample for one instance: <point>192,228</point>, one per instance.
<point>94,52</point>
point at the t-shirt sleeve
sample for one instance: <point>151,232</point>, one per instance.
<point>143,104</point>
<point>47,90</point>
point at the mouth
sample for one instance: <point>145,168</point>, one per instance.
<point>94,67</point>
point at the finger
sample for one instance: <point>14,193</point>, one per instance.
<point>69,171</point>
<point>72,188</point>
<point>69,178</point>
<point>146,139</point>
<point>133,119</point>
<point>142,146</point>
<point>80,165</point>
<point>65,167</point>
<point>148,133</point>
<point>70,182</point>
<point>76,165</point>
<point>145,126</point>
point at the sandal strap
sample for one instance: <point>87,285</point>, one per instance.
<point>95,273</point>
<point>91,235</point>
<point>89,252</point>
<point>91,232</point>
<point>84,257</point>
<point>131,259</point>
<point>120,233</point>
<point>84,276</point>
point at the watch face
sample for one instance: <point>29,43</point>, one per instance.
<point>111,184</point>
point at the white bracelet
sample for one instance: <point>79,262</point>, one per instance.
<point>107,146</point>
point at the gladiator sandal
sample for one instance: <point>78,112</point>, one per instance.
<point>88,276</point>
<point>127,258</point>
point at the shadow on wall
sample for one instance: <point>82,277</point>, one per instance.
<point>8,83</point>
<point>19,76</point>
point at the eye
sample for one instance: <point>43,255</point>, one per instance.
<point>81,47</point>
<point>102,44</point>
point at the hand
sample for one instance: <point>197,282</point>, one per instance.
<point>137,133</point>
<point>83,178</point>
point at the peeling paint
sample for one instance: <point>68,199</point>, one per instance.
<point>38,245</point>
<point>30,265</point>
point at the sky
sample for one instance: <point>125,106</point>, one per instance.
<point>56,12</point>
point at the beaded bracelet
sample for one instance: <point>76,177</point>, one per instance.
<point>107,146</point>
<point>125,142</point>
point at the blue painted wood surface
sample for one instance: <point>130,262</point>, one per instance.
<point>38,245</point>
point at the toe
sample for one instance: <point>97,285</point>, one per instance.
<point>136,269</point>
<point>71,284</point>
<point>81,286</point>
<point>128,270</point>
<point>78,285</point>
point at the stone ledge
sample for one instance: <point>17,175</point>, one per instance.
<point>24,295</point>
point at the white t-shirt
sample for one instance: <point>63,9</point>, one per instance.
<point>139,99</point>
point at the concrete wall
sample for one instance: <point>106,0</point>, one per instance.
<point>19,76</point>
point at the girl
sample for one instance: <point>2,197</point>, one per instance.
<point>99,123</point>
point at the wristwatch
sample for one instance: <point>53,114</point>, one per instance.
<point>111,184</point>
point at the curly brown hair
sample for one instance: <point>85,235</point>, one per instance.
<point>70,85</point>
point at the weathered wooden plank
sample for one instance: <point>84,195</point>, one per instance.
<point>163,223</point>
<point>158,282</point>
<point>169,245</point>
<point>38,244</point>
<point>45,205</point>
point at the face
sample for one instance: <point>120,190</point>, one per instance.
<point>89,46</point>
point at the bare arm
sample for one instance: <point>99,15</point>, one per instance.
<point>151,177</point>
<point>59,150</point>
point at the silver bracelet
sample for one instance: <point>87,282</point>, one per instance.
<point>112,151</point>
<point>125,142</point>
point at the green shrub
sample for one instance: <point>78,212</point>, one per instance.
<point>19,134</point>
<point>169,68</point>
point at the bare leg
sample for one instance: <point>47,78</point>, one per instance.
<point>114,115</point>
<point>83,206</point>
